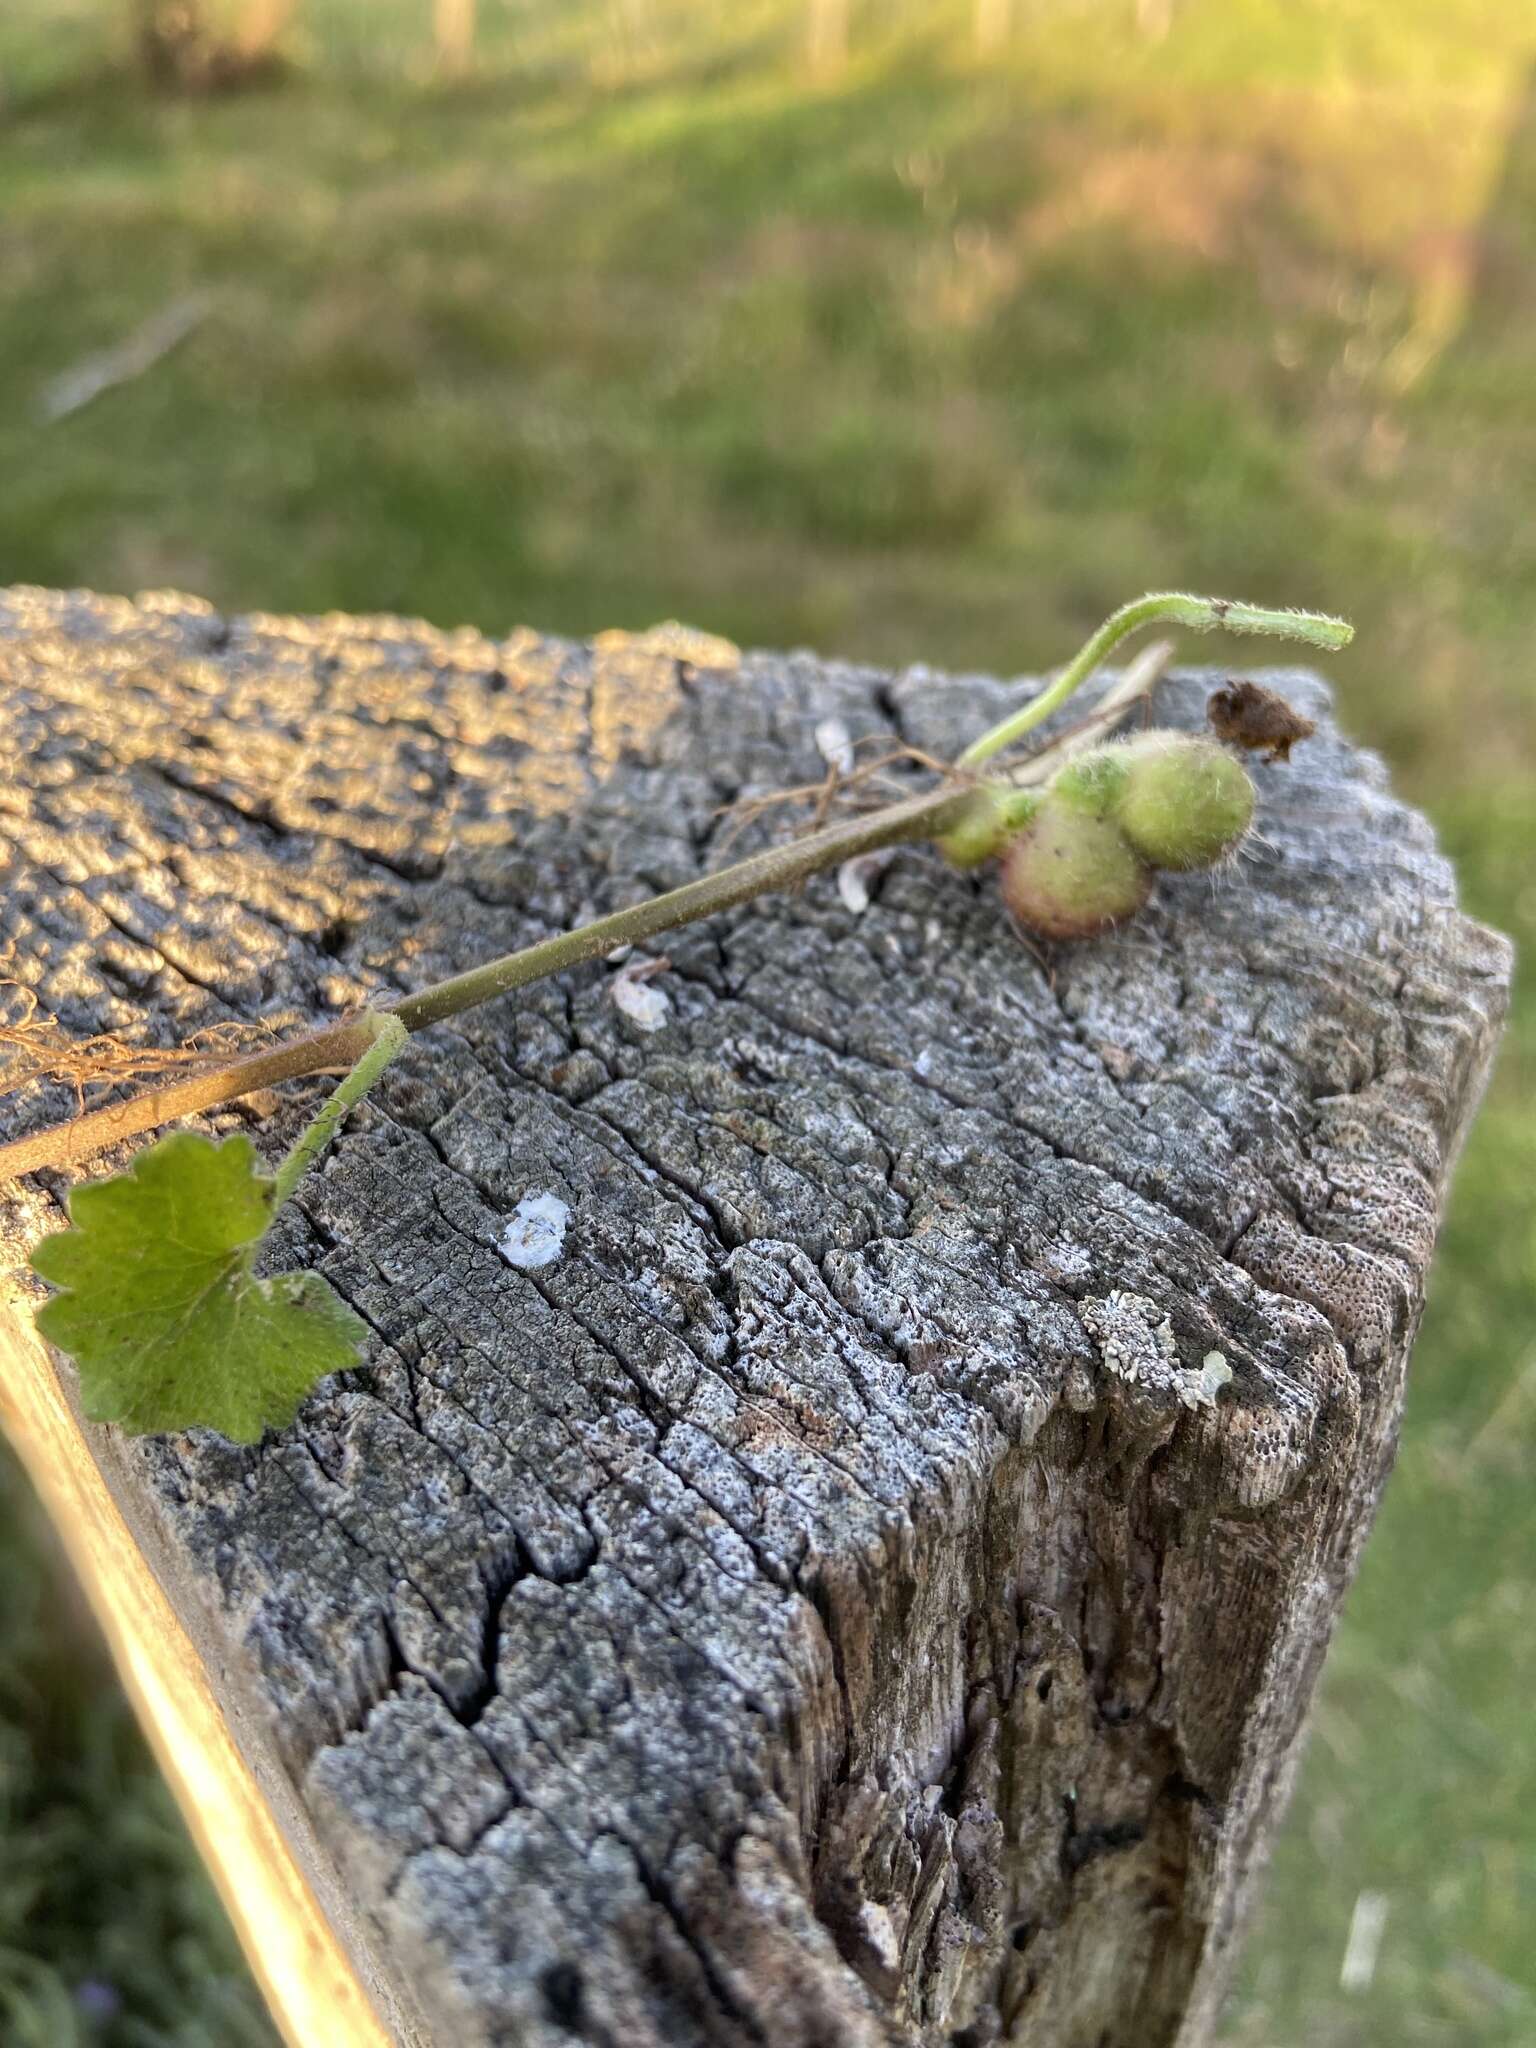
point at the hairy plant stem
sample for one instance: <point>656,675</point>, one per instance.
<point>360,1041</point>
<point>365,1042</point>
<point>335,1046</point>
<point>389,1034</point>
<point>1170,607</point>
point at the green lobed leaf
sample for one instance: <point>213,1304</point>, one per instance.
<point>159,1306</point>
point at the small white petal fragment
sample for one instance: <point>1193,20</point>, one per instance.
<point>1367,1924</point>
<point>855,876</point>
<point>879,1930</point>
<point>647,1008</point>
<point>536,1234</point>
<point>1199,1389</point>
<point>834,743</point>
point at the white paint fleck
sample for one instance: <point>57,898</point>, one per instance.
<point>647,1008</point>
<point>855,876</point>
<point>536,1234</point>
<point>834,743</point>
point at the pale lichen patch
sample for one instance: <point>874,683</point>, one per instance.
<point>1134,1336</point>
<point>1136,1342</point>
<point>1202,1387</point>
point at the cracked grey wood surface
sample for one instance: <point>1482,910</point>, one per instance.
<point>818,1606</point>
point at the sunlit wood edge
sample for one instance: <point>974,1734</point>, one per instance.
<point>309,1984</point>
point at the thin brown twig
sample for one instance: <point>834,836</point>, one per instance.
<point>835,786</point>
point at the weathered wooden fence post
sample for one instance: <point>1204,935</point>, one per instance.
<point>818,1598</point>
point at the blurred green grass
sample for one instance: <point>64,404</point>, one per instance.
<point>932,359</point>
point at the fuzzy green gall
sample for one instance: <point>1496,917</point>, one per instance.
<point>1069,874</point>
<point>1186,801</point>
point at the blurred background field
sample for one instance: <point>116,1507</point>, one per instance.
<point>923,332</point>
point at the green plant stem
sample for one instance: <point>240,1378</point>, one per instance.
<point>389,1034</point>
<point>355,1038</point>
<point>777,867</point>
<point>1171,607</point>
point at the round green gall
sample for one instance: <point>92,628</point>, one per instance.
<point>1069,874</point>
<point>1186,800</point>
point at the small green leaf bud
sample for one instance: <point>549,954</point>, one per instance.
<point>1069,874</point>
<point>994,814</point>
<point>1186,800</point>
